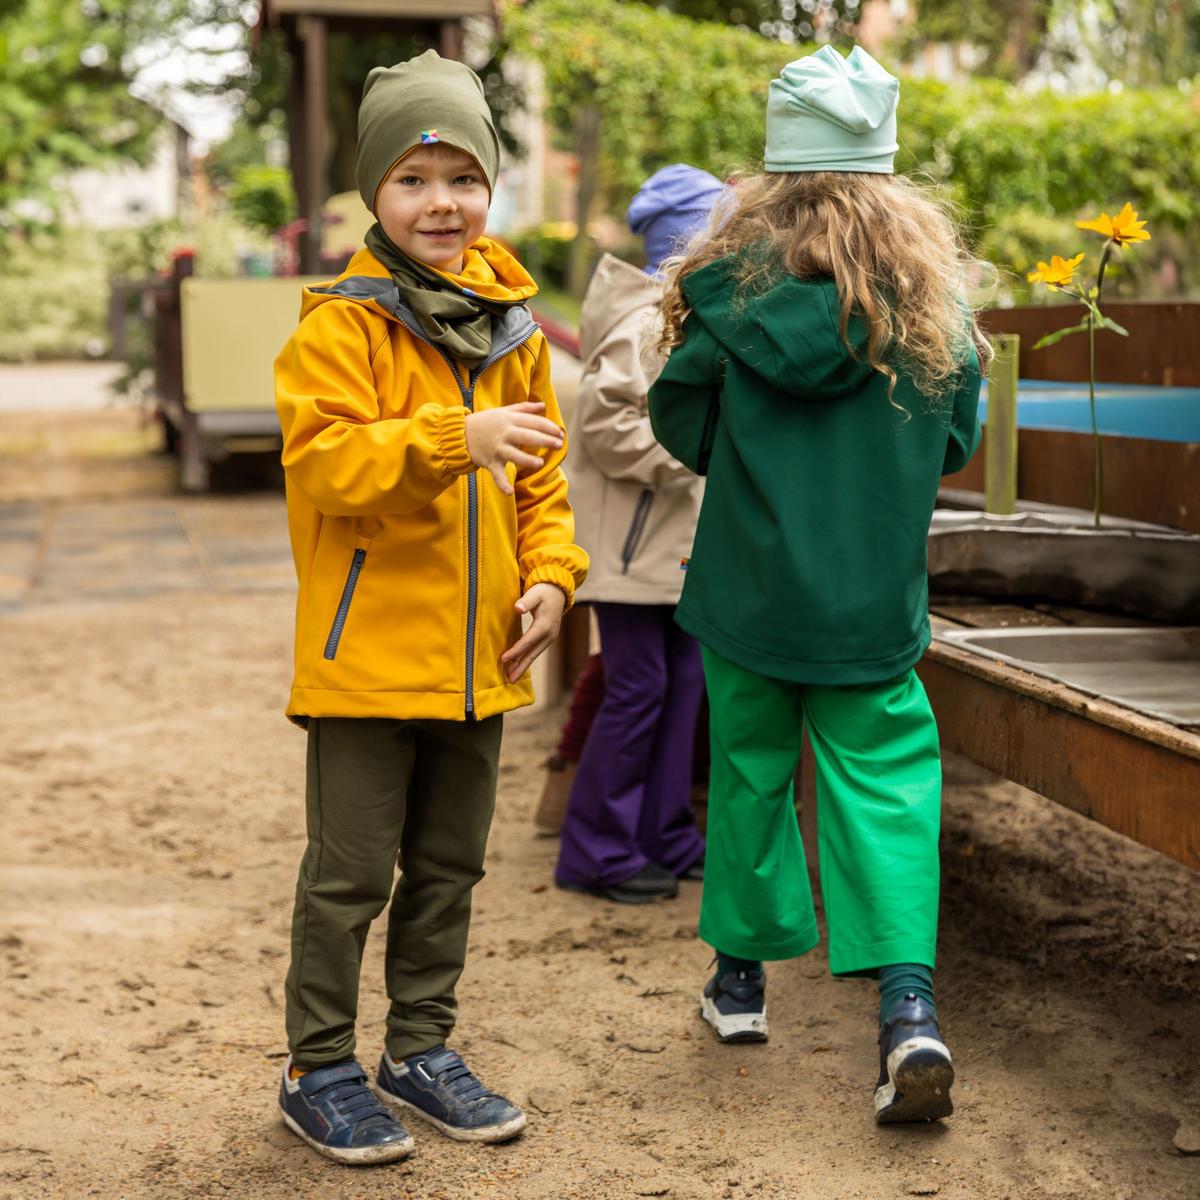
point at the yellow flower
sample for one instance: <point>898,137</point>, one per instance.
<point>1058,273</point>
<point>1124,227</point>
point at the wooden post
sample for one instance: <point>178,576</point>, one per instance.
<point>1000,454</point>
<point>450,39</point>
<point>312,31</point>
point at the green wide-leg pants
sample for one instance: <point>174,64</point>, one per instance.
<point>879,784</point>
<point>420,793</point>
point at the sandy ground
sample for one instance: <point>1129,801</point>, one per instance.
<point>153,821</point>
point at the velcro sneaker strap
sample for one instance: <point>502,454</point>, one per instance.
<point>323,1077</point>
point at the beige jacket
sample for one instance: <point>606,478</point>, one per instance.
<point>635,506</point>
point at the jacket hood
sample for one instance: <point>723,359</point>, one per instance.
<point>787,335</point>
<point>617,289</point>
<point>489,271</point>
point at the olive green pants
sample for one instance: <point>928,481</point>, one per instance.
<point>419,794</point>
<point>879,784</point>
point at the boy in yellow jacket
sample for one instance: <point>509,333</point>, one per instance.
<point>428,514</point>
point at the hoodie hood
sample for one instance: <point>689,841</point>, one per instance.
<point>787,335</point>
<point>617,290</point>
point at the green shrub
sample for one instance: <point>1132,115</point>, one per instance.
<point>53,297</point>
<point>674,90</point>
<point>544,249</point>
<point>261,197</point>
<point>54,283</point>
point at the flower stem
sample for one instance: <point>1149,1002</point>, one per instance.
<point>1097,450</point>
<point>1097,456</point>
<point>1108,245</point>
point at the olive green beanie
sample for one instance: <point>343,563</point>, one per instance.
<point>426,100</point>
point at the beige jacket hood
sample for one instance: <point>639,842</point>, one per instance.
<point>635,505</point>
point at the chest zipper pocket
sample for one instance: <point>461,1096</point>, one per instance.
<point>343,608</point>
<point>637,527</point>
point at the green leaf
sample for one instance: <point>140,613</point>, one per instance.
<point>1107,323</point>
<point>1057,336</point>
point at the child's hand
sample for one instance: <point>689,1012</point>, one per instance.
<point>495,438</point>
<point>545,603</point>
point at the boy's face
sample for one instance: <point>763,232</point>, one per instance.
<point>434,204</point>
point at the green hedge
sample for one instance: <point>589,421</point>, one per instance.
<point>54,283</point>
<point>1022,165</point>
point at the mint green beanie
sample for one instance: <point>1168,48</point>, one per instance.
<point>829,113</point>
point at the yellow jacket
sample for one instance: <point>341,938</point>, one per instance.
<point>409,559</point>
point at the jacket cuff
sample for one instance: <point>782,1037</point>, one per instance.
<point>559,576</point>
<point>450,434</point>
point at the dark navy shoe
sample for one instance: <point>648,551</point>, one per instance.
<point>651,883</point>
<point>335,1112</point>
<point>915,1071</point>
<point>441,1089</point>
<point>735,1005</point>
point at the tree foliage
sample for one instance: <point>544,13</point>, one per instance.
<point>1139,42</point>
<point>1020,166</point>
<point>833,21</point>
<point>668,88</point>
<point>64,92</point>
<point>66,67</point>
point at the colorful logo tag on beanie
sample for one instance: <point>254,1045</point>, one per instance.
<point>428,135</point>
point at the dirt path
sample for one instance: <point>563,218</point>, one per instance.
<point>152,817</point>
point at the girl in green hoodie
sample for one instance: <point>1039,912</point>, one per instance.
<point>824,374</point>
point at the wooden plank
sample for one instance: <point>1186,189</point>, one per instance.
<point>1161,348</point>
<point>1144,479</point>
<point>1139,777</point>
<point>316,134</point>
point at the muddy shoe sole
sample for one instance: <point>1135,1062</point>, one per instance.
<point>734,1027</point>
<point>353,1156</point>
<point>920,1075</point>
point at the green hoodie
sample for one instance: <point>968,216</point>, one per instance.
<point>809,559</point>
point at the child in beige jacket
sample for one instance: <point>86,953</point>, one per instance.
<point>629,834</point>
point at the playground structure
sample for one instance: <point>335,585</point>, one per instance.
<point>306,25</point>
<point>1095,707</point>
<point>1034,613</point>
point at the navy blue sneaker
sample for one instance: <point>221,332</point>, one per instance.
<point>441,1089</point>
<point>915,1071</point>
<point>335,1112</point>
<point>735,1005</point>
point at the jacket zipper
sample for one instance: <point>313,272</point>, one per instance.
<point>468,397</point>
<point>636,528</point>
<point>343,608</point>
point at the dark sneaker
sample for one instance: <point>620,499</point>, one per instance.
<point>915,1071</point>
<point>335,1112</point>
<point>694,873</point>
<point>440,1088</point>
<point>651,883</point>
<point>735,1005</point>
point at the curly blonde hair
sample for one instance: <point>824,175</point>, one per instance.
<point>891,245</point>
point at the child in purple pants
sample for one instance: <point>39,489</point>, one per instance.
<point>629,834</point>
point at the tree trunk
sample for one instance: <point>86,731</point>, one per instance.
<point>587,147</point>
<point>1025,31</point>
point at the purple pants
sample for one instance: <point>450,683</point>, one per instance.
<point>630,803</point>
